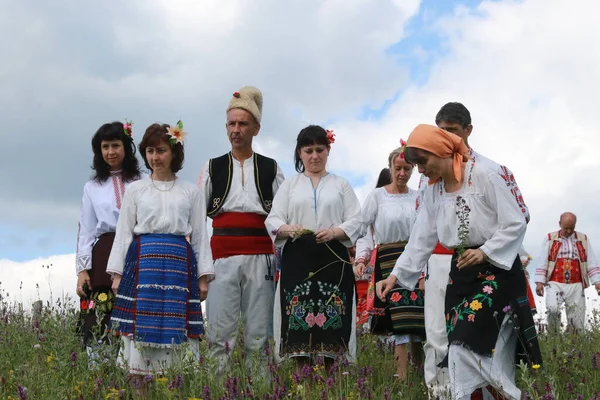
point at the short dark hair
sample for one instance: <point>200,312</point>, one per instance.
<point>114,131</point>
<point>311,135</point>
<point>454,112</point>
<point>385,178</point>
<point>155,134</point>
<point>415,156</point>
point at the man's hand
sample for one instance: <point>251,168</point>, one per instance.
<point>469,258</point>
<point>539,288</point>
<point>421,284</point>
<point>115,283</point>
<point>597,285</point>
<point>383,287</point>
<point>203,288</point>
<point>290,231</point>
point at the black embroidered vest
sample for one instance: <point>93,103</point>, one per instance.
<point>220,170</point>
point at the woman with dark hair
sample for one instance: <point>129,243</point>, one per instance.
<point>363,265</point>
<point>115,167</point>
<point>467,207</point>
<point>316,218</point>
<point>160,278</point>
<point>390,212</point>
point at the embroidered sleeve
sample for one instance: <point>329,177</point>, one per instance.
<point>352,223</point>
<point>511,183</point>
<point>364,247</point>
<point>423,238</point>
<point>503,247</point>
<point>199,237</point>
<point>540,263</point>
<point>86,234</point>
<point>124,233</point>
<point>593,267</point>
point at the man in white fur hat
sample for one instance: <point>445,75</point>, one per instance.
<point>238,188</point>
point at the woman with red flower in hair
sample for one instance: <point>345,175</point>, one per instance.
<point>390,212</point>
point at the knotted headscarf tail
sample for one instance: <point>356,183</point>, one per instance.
<point>441,143</point>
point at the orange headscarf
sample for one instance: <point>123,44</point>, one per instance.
<point>441,143</point>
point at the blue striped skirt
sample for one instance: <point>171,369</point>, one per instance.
<point>158,301</point>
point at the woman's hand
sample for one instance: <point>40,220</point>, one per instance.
<point>83,278</point>
<point>115,283</point>
<point>290,231</point>
<point>383,287</point>
<point>359,269</point>
<point>203,288</point>
<point>470,257</point>
<point>325,235</point>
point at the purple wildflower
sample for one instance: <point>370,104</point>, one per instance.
<point>387,394</point>
<point>206,393</point>
<point>595,360</point>
<point>147,378</point>
<point>22,392</point>
<point>569,387</point>
<point>176,383</point>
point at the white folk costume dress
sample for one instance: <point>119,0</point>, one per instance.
<point>157,310</point>
<point>436,280</point>
<point>100,207</point>
<point>482,302</point>
<point>315,305</point>
<point>391,218</point>
<point>238,197</point>
<point>566,265</point>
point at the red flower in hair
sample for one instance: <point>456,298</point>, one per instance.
<point>236,94</point>
<point>402,148</point>
<point>330,136</point>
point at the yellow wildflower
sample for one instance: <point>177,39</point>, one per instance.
<point>102,297</point>
<point>535,366</point>
<point>49,359</point>
<point>476,305</point>
<point>162,380</point>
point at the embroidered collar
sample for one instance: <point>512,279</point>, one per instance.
<point>116,172</point>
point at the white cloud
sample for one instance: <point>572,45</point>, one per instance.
<point>529,72</point>
<point>48,279</point>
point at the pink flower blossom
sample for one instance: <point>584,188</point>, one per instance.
<point>488,289</point>
<point>310,319</point>
<point>320,319</point>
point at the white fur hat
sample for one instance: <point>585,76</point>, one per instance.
<point>250,99</point>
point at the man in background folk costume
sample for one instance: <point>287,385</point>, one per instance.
<point>238,188</point>
<point>566,266</point>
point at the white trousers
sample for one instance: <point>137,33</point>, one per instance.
<point>573,296</point>
<point>436,346</point>
<point>243,290</point>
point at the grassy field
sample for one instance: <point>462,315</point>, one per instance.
<point>42,359</point>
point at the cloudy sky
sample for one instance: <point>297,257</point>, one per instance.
<point>529,71</point>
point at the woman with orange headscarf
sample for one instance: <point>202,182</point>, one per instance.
<point>468,208</point>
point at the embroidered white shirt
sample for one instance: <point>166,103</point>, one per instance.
<point>391,217</point>
<point>331,204</point>
<point>100,207</point>
<point>496,223</point>
<point>162,207</point>
<point>242,197</point>
<point>568,249</point>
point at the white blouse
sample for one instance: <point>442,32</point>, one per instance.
<point>242,197</point>
<point>495,222</point>
<point>162,207</point>
<point>392,217</point>
<point>100,207</point>
<point>332,204</point>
